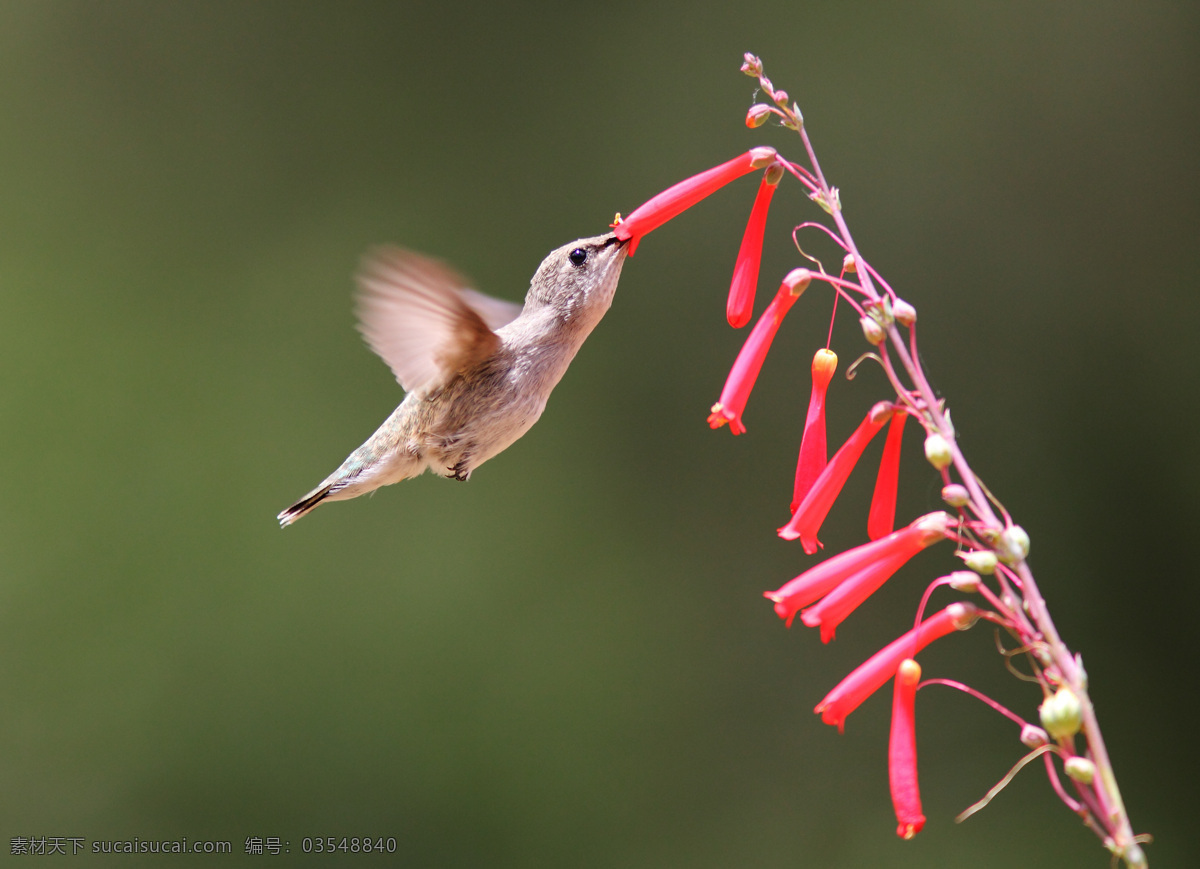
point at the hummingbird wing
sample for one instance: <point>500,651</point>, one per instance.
<point>417,314</point>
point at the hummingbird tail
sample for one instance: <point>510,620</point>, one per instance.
<point>308,502</point>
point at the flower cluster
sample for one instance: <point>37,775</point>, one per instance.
<point>984,537</point>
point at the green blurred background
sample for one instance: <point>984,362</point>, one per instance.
<point>568,662</point>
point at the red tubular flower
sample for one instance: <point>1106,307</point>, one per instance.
<point>807,519</point>
<point>902,751</point>
<point>678,198</point>
<point>882,518</point>
<point>832,573</point>
<point>891,553</point>
<point>813,452</point>
<point>745,270</point>
<point>869,676</point>
<point>750,360</point>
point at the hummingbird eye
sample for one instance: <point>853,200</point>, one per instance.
<point>577,257</point>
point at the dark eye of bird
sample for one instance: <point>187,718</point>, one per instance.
<point>577,257</point>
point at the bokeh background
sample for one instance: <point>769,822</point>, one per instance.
<point>568,661</point>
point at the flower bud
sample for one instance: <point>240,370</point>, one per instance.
<point>848,264</point>
<point>1080,769</point>
<point>956,495</point>
<point>881,412</point>
<point>797,281</point>
<point>758,115</point>
<point>965,581</point>
<point>1061,713</point>
<point>963,614</point>
<point>904,313</point>
<point>981,561</point>
<point>774,174</point>
<point>1033,736</point>
<point>872,331</point>
<point>937,451</point>
<point>781,98</point>
<point>933,527</point>
<point>760,158</point>
<point>1013,545</point>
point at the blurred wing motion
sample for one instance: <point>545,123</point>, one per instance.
<point>417,314</point>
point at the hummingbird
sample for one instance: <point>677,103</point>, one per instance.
<point>477,371</point>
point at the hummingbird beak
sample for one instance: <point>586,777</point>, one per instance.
<point>612,239</point>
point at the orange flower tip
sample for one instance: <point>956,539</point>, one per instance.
<point>824,365</point>
<point>758,115</point>
<point>963,615</point>
<point>849,266</point>
<point>872,331</point>
<point>774,174</point>
<point>938,452</point>
<point>1033,736</point>
<point>760,158</point>
<point>909,672</point>
<point>881,412</point>
<point>904,313</point>
<point>908,829</point>
<point>1013,545</point>
<point>797,281</point>
<point>956,495</point>
<point>982,561</point>
<point>965,581</point>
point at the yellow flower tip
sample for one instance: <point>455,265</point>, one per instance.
<point>909,671</point>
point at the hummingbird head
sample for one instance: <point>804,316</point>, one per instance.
<point>578,279</point>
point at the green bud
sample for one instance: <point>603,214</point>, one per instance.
<point>905,313</point>
<point>937,451</point>
<point>872,331</point>
<point>964,581</point>
<point>1080,769</point>
<point>1061,713</point>
<point>956,495</point>
<point>981,561</point>
<point>1013,544</point>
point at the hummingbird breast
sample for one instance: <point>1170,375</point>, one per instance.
<point>480,412</point>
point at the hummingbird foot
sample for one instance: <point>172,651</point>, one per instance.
<point>460,472</point>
